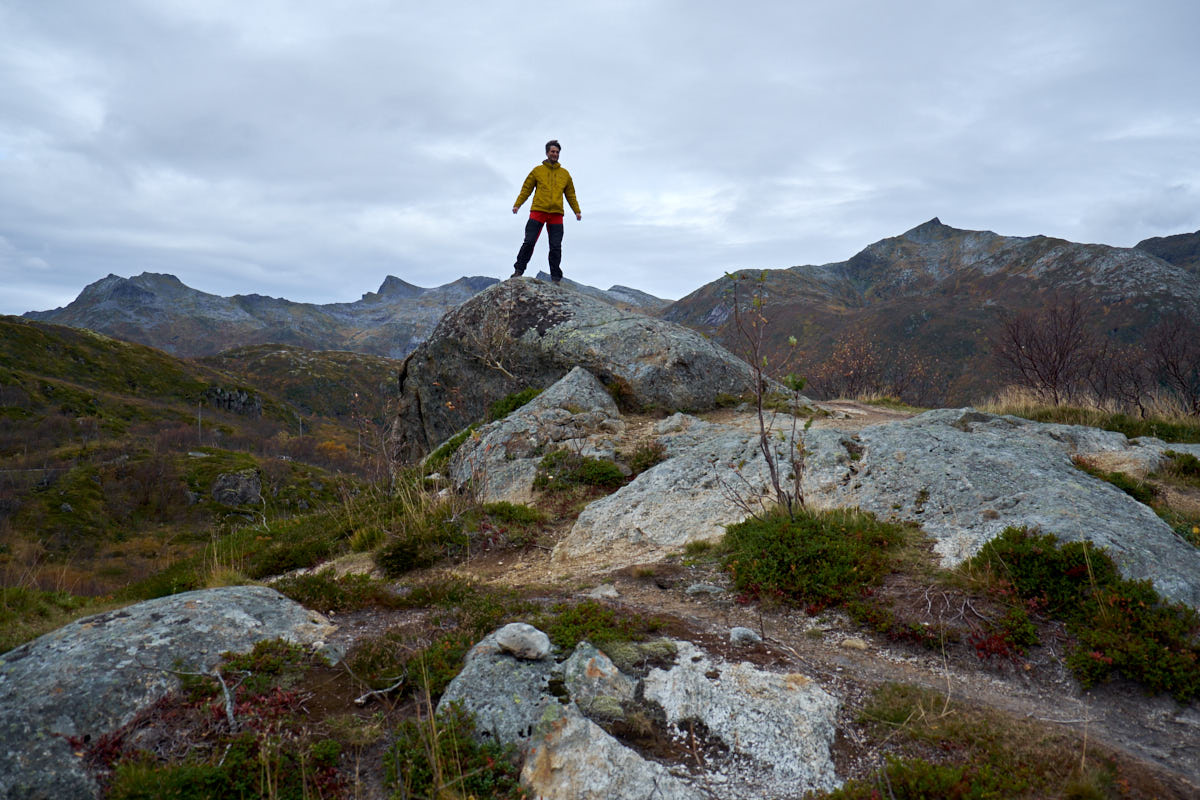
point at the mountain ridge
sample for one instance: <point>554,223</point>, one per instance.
<point>159,310</point>
<point>939,293</point>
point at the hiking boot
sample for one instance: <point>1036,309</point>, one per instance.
<point>517,273</point>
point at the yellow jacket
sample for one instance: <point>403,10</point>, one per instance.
<point>552,182</point>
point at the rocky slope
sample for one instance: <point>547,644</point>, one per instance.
<point>754,702</point>
<point>1182,250</point>
<point>940,291</point>
<point>78,683</point>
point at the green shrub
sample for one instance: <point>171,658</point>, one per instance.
<point>1139,490</point>
<point>427,537</point>
<point>562,469</point>
<point>514,512</point>
<point>325,591</point>
<point>646,456</point>
<point>506,405</point>
<point>815,560</point>
<point>1121,626</point>
<point>1040,568</point>
<point>569,624</point>
<point>439,458</point>
<point>1184,467</point>
<point>440,757</point>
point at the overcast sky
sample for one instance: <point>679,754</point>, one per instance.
<point>307,149</point>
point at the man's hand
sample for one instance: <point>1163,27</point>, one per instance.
<point>579,217</point>
<point>514,209</point>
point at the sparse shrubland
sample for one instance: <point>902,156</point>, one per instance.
<point>1121,627</point>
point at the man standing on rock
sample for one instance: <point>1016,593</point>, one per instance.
<point>552,182</point>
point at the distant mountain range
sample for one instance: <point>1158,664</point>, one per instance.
<point>935,291</point>
<point>160,311</point>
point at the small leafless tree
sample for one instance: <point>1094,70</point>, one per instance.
<point>1118,375</point>
<point>1174,351</point>
<point>861,365</point>
<point>1048,350</point>
<point>751,322</point>
<point>489,339</point>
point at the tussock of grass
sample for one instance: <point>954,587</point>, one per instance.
<point>510,403</point>
<point>440,756</point>
<point>1165,425</point>
<point>955,750</point>
<point>325,591</point>
<point>27,613</point>
<point>568,624</point>
<point>563,469</point>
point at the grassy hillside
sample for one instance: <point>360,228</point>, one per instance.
<point>123,468</point>
<point>334,383</point>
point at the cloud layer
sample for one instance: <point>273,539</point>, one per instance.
<point>307,150</point>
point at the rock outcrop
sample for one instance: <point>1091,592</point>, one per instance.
<point>768,733</point>
<point>524,333</point>
<point>962,475</point>
<point>965,476</point>
<point>238,488</point>
<point>92,676</point>
<point>576,413</point>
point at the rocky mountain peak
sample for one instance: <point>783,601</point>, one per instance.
<point>392,287</point>
<point>930,231</point>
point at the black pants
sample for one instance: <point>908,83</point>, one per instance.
<point>533,229</point>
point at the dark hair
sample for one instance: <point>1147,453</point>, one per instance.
<point>553,143</point>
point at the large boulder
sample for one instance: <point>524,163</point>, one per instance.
<point>500,462</point>
<point>714,476</point>
<point>524,333</point>
<point>781,724</point>
<point>965,476</point>
<point>94,675</point>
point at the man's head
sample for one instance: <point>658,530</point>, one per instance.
<point>553,148</point>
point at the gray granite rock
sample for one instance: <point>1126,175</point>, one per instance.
<point>783,724</point>
<point>713,477</point>
<point>506,694</point>
<point>94,675</point>
<point>524,641</point>
<point>590,675</point>
<point>523,333</point>
<point>965,476</point>
<point>573,758</point>
<point>500,460</point>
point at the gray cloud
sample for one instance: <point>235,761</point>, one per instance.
<point>308,150</point>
